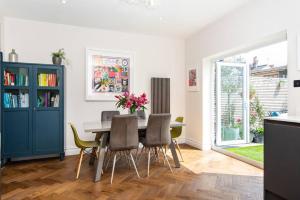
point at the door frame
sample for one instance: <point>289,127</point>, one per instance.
<point>245,104</point>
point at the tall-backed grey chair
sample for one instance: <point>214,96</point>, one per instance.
<point>123,138</point>
<point>108,115</point>
<point>157,135</point>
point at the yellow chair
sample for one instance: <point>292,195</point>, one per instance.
<point>83,145</point>
<point>175,133</point>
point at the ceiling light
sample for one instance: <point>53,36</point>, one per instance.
<point>145,3</point>
<point>63,1</point>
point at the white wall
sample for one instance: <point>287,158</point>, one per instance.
<point>256,20</point>
<point>155,57</point>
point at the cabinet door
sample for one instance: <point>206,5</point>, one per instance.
<point>47,111</point>
<point>16,109</point>
<point>17,140</point>
<point>46,137</point>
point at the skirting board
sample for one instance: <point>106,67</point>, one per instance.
<point>197,144</point>
<point>72,151</point>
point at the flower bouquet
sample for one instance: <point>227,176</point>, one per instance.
<point>132,102</point>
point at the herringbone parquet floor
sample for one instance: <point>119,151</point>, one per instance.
<point>203,175</point>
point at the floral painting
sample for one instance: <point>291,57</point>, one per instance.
<point>108,74</point>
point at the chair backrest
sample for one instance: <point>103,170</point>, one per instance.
<point>76,137</point>
<point>158,129</point>
<point>124,133</point>
<point>141,114</point>
<point>108,115</point>
<point>176,131</point>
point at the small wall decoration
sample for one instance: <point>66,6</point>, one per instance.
<point>108,73</point>
<point>193,79</point>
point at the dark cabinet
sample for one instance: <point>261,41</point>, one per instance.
<point>282,161</point>
<point>32,110</point>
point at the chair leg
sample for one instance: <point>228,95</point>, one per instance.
<point>156,154</point>
<point>165,156</point>
<point>97,154</point>
<point>127,159</point>
<point>79,163</point>
<point>113,168</point>
<point>179,150</point>
<point>133,163</point>
<point>136,155</point>
<point>108,159</point>
<point>139,158</point>
<point>149,156</point>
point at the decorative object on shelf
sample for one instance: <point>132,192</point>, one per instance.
<point>58,57</point>
<point>108,73</point>
<point>131,102</point>
<point>145,3</point>
<point>193,79</point>
<point>13,56</point>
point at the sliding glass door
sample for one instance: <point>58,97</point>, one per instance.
<point>232,103</point>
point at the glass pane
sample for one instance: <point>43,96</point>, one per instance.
<point>47,78</point>
<point>47,98</point>
<point>15,77</point>
<point>232,103</point>
<point>16,99</point>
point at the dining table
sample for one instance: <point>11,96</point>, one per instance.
<point>102,131</point>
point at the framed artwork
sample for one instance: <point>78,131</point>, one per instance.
<point>108,73</point>
<point>193,79</point>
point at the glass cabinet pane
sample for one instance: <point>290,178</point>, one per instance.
<point>47,78</point>
<point>16,99</point>
<point>15,77</point>
<point>48,98</point>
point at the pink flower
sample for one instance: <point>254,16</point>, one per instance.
<point>128,104</point>
<point>126,94</point>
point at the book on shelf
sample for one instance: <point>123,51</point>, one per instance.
<point>48,99</point>
<point>15,79</point>
<point>47,80</point>
<point>12,100</point>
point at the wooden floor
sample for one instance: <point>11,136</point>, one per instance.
<point>204,175</point>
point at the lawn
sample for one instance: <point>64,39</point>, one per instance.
<point>251,152</point>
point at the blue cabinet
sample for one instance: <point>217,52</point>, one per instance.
<point>32,110</point>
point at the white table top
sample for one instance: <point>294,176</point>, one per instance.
<point>98,126</point>
<point>285,118</point>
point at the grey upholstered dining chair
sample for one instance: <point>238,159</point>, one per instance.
<point>123,138</point>
<point>157,135</point>
<point>108,115</point>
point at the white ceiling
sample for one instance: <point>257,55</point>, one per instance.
<point>179,18</point>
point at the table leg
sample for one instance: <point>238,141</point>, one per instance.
<point>174,154</point>
<point>101,156</point>
<point>93,155</point>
